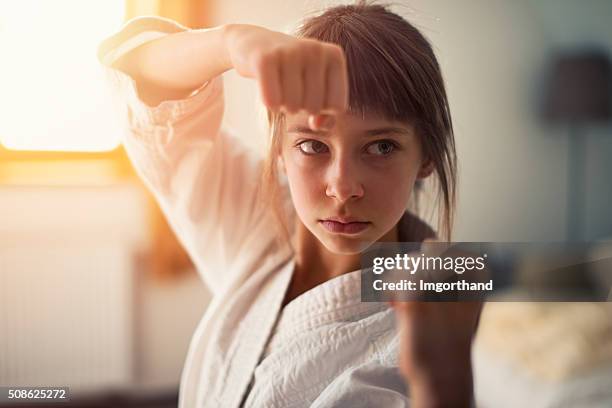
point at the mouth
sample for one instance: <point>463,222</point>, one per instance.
<point>344,225</point>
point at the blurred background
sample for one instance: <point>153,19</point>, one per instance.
<point>96,293</point>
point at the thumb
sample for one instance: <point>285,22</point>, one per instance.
<point>322,121</point>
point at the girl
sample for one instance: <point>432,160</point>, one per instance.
<point>358,113</point>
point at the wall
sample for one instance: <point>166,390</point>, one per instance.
<point>493,53</point>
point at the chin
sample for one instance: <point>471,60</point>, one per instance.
<point>345,245</point>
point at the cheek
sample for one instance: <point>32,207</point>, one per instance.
<point>391,187</point>
<point>305,186</point>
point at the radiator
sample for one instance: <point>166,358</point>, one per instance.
<point>67,285</point>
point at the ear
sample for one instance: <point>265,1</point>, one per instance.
<point>426,169</point>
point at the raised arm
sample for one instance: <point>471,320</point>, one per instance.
<point>175,65</point>
<point>170,91</point>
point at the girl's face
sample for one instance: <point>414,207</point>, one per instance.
<point>350,184</point>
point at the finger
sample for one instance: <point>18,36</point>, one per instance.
<point>314,80</point>
<point>291,82</point>
<point>269,82</point>
<point>337,82</point>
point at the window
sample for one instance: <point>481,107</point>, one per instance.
<point>58,125</point>
<point>54,97</point>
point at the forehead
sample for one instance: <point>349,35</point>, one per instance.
<point>347,118</point>
<point>350,121</point>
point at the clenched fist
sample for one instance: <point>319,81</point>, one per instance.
<point>293,74</point>
<point>435,347</point>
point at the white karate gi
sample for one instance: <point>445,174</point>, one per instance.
<point>326,348</point>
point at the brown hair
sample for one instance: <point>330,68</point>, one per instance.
<point>393,73</point>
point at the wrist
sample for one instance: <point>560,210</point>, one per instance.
<point>445,389</point>
<point>440,398</point>
<point>227,31</point>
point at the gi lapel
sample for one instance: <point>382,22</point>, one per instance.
<point>256,307</point>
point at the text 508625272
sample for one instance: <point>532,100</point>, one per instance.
<point>34,394</point>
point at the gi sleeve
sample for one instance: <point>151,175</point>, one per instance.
<point>204,179</point>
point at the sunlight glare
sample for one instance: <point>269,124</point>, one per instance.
<point>53,92</point>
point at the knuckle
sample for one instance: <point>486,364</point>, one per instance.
<point>260,62</point>
<point>335,51</point>
<point>293,55</point>
<point>314,49</point>
<point>266,59</point>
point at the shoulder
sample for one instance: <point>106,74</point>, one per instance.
<point>414,229</point>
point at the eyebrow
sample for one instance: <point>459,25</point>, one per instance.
<point>368,133</point>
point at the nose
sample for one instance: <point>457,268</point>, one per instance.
<point>343,180</point>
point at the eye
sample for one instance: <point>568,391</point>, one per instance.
<point>312,147</point>
<point>381,147</point>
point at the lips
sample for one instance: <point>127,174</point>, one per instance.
<point>346,225</point>
<point>344,220</point>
